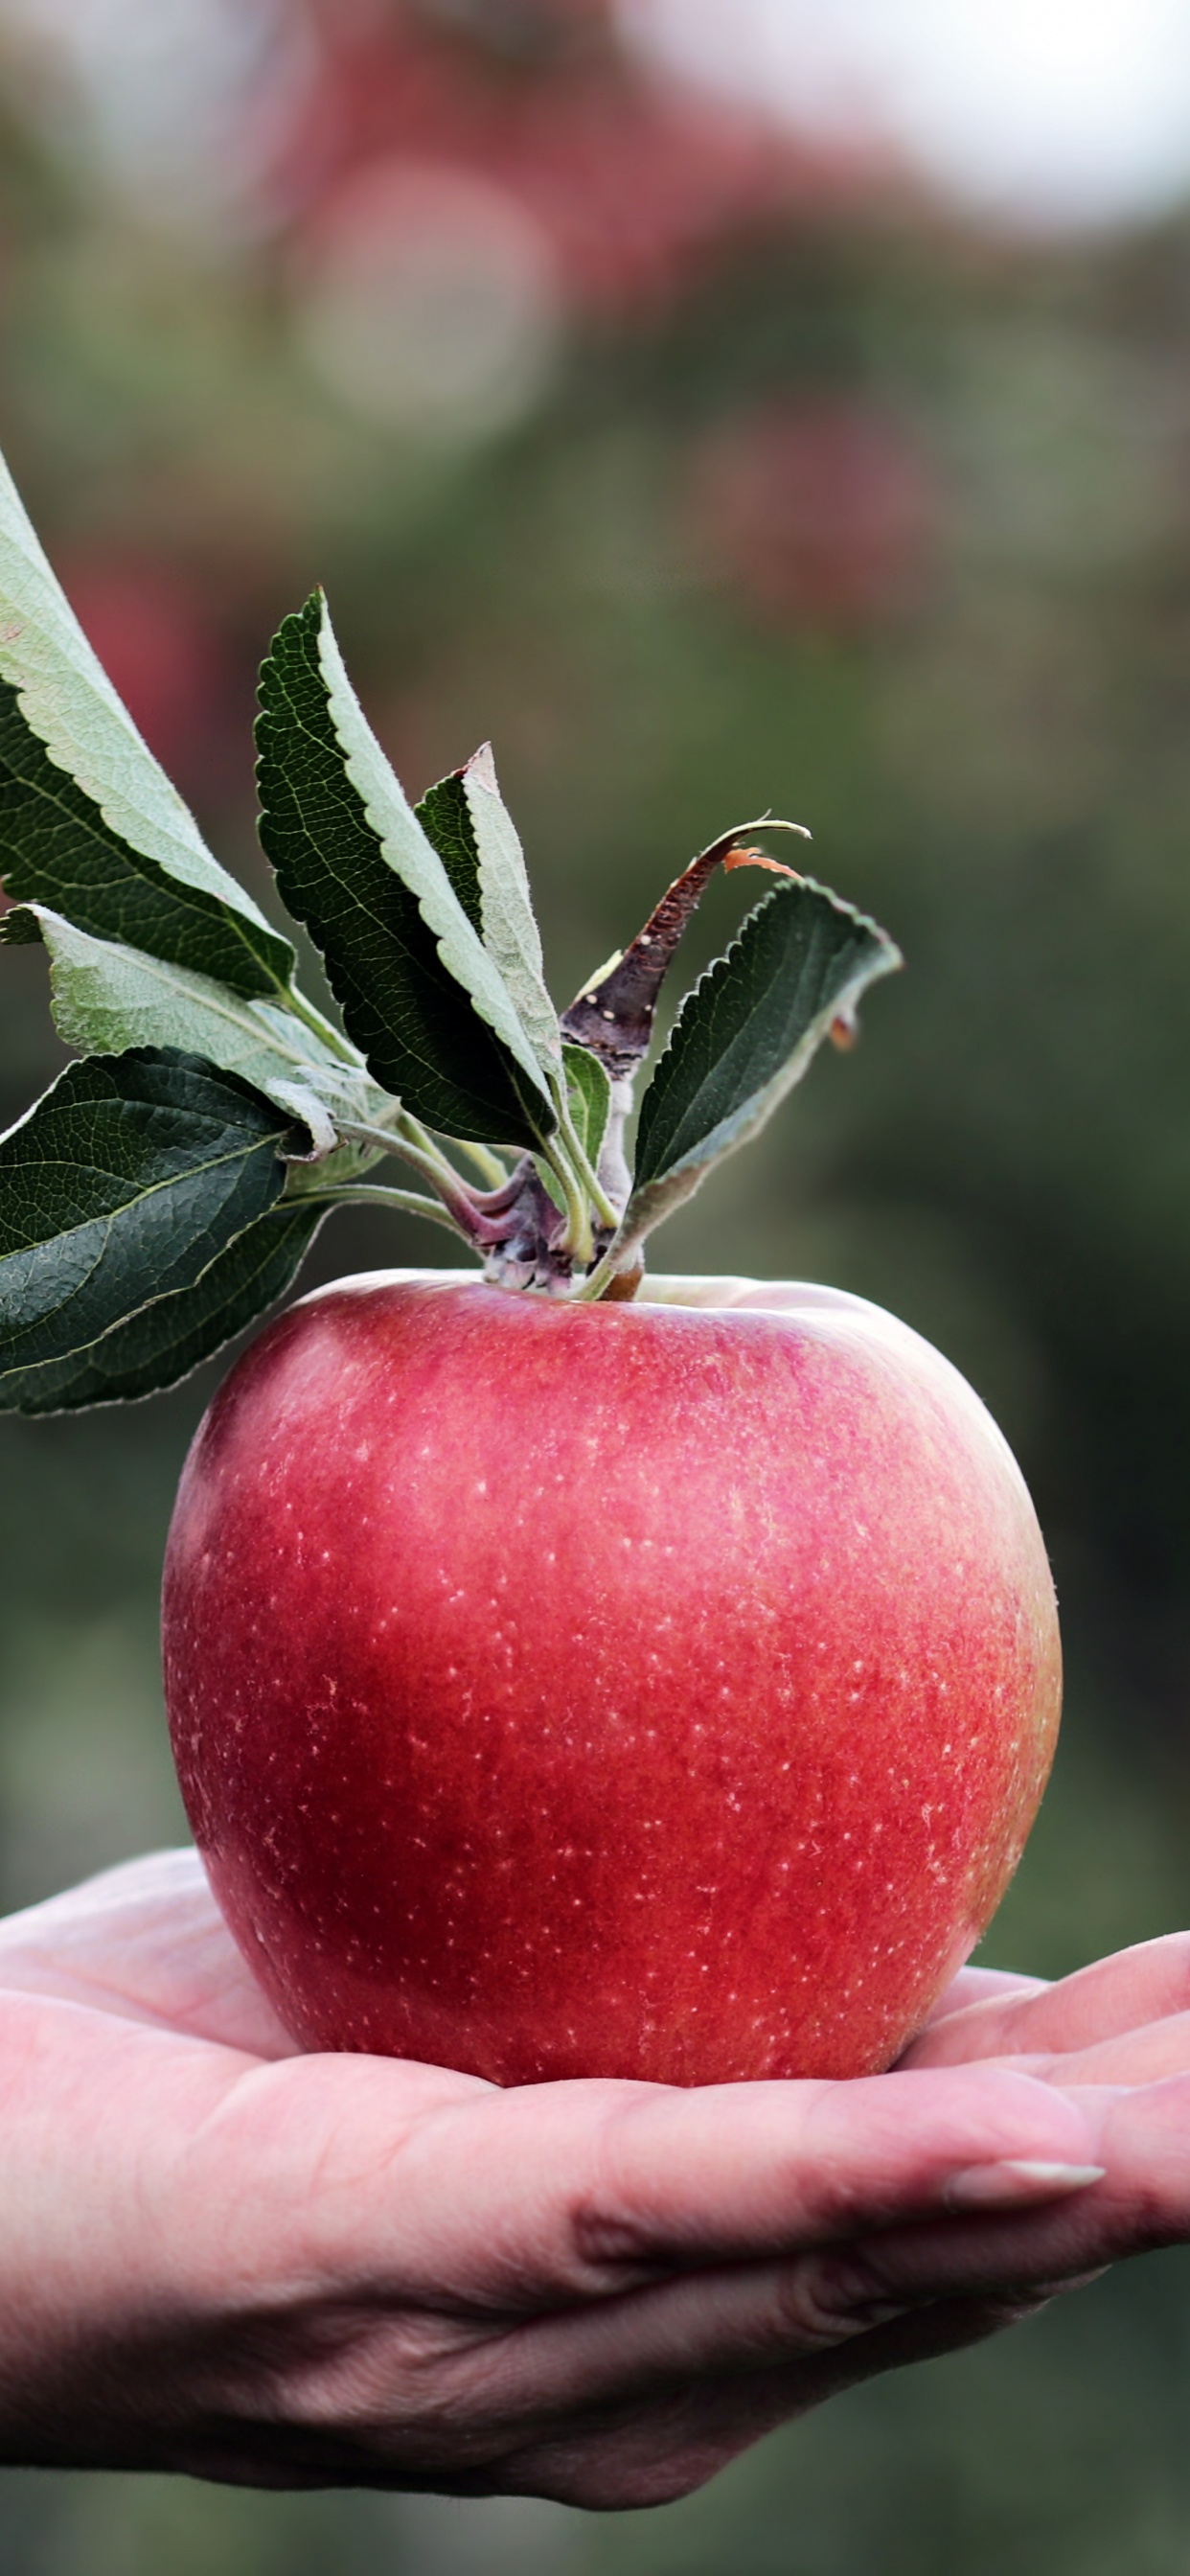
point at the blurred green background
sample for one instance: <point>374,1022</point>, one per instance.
<point>704,469</point>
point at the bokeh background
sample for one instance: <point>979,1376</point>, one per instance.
<point>721,404</point>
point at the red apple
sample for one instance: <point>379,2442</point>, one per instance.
<point>658,1689</point>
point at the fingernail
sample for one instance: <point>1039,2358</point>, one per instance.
<point>1018,2179</point>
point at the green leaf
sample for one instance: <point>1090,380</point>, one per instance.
<point>445,817</point>
<point>419,993</point>
<point>590,1095</point>
<point>89,822</point>
<point>613,1012</point>
<point>122,1185</point>
<point>510,932</point>
<point>745,1035</point>
<point>477,841</point>
<point>169,1338</point>
<point>106,998</point>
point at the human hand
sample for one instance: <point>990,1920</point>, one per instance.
<point>220,2256</point>
<point>1125,2020</point>
<point>1117,2033</point>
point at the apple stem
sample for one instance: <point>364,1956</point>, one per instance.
<point>295,1000</point>
<point>576,1243</point>
<point>379,1194</point>
<point>408,1141</point>
<point>487,1162</point>
<point>611,1266</point>
<point>577,1156</point>
<point>480,1217</point>
<point>488,1220</point>
<point>498,1202</point>
<point>403,1123</point>
<point>410,1144</point>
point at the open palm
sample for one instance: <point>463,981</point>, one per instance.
<point>222,2256</point>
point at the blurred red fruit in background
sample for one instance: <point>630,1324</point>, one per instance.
<point>631,178</point>
<point>157,648</point>
<point>822,512</point>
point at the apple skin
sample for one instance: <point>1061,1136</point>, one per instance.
<point>658,1690</point>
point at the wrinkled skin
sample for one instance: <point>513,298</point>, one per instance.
<point>223,2257</point>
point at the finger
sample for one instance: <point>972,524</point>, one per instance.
<point>1147,2056</point>
<point>570,2191</point>
<point>977,1986</point>
<point>655,2454</point>
<point>431,2398</point>
<point>1143,2202</point>
<point>1137,1986</point>
<point>379,2416</point>
<point>147,1943</point>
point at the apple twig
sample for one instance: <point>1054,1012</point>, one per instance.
<point>195,1031</point>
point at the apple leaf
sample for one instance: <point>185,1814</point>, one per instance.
<point>122,1185</point>
<point>477,841</point>
<point>445,817</point>
<point>590,1095</point>
<point>106,998</point>
<point>745,1035</point>
<point>419,993</point>
<point>89,822</point>
<point>165,1340</point>
<point>613,1013</point>
<point>510,932</point>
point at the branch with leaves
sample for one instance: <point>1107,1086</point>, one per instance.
<point>163,1193</point>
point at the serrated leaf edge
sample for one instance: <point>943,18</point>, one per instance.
<point>658,1198</point>
<point>141,1197</point>
<point>65,695</point>
<point>412,857</point>
<point>510,933</point>
<point>308,1092</point>
<point>575,1062</point>
<point>142,1395</point>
